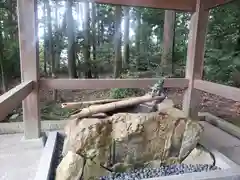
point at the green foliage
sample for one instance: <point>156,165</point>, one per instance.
<point>11,59</point>
<point>222,42</point>
<point>119,93</point>
<point>220,66</point>
<point>52,111</point>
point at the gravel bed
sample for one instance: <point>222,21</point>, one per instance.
<point>158,172</point>
<point>57,156</point>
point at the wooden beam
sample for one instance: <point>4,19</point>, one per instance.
<point>108,83</point>
<point>184,5</point>
<point>218,89</point>
<point>28,40</point>
<point>12,98</point>
<point>168,41</point>
<point>215,3</point>
<point>221,124</point>
<point>195,58</point>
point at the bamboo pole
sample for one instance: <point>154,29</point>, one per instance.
<point>103,108</point>
<point>74,105</point>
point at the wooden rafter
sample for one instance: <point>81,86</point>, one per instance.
<point>183,5</point>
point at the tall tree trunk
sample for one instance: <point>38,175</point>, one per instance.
<point>45,39</point>
<point>168,42</point>
<point>56,15</point>
<point>50,45</point>
<point>50,42</point>
<point>94,39</point>
<point>138,37</point>
<point>3,81</point>
<point>94,30</point>
<point>78,14</point>
<point>117,42</point>
<point>101,25</point>
<point>126,37</point>
<point>10,17</point>
<point>86,29</point>
<point>71,43</point>
<point>57,39</point>
<point>98,24</point>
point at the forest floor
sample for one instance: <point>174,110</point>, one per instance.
<point>51,110</point>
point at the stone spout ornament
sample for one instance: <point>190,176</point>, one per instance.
<point>141,139</point>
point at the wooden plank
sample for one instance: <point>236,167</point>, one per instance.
<point>218,89</point>
<point>71,84</point>
<point>12,98</point>
<point>215,3</point>
<point>28,40</point>
<point>221,123</point>
<point>184,5</point>
<point>168,41</point>
<point>195,58</point>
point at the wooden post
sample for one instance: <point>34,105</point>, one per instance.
<point>168,41</point>
<point>195,58</point>
<point>28,41</point>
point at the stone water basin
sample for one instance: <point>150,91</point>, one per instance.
<point>201,157</point>
<point>51,157</point>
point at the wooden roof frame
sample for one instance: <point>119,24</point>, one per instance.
<point>28,90</point>
<point>182,5</point>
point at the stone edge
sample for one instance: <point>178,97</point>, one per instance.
<point>44,168</point>
<point>18,127</point>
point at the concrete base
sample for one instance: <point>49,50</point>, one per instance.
<point>40,142</point>
<point>19,159</point>
<point>229,168</point>
<point>215,138</point>
<point>18,127</point>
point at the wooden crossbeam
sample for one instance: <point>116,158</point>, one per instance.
<point>14,97</point>
<point>183,5</point>
<point>109,83</point>
<point>218,89</point>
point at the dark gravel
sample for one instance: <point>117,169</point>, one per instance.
<point>157,172</point>
<point>57,156</point>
